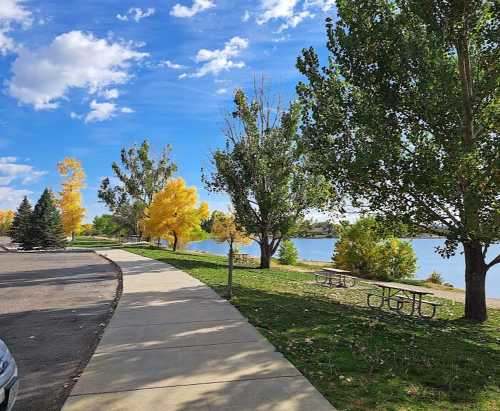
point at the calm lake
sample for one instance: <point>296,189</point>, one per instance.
<point>321,249</point>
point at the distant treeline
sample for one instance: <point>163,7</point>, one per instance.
<point>308,228</point>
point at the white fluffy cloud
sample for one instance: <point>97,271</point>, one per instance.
<point>295,20</point>
<point>246,16</point>
<point>136,14</point>
<point>12,171</point>
<point>171,65</point>
<point>110,94</point>
<point>215,61</point>
<point>104,111</point>
<point>73,60</point>
<point>197,7</point>
<point>324,5</point>
<point>12,12</point>
<point>10,197</point>
<point>290,12</point>
<point>276,9</point>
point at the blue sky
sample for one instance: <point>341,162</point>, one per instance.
<point>85,78</point>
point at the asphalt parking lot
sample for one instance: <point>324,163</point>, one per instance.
<point>53,309</point>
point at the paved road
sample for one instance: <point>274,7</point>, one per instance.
<point>52,307</point>
<point>174,345</point>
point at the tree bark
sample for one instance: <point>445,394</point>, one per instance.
<point>229,291</point>
<point>475,278</point>
<point>475,266</point>
<point>265,254</point>
<point>174,246</point>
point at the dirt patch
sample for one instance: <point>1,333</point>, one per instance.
<point>53,310</point>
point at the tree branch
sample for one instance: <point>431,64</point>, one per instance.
<point>496,260</point>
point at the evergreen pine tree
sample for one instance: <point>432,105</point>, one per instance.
<point>21,229</point>
<point>48,231</point>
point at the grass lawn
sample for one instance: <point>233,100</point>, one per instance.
<point>361,358</point>
<point>93,242</point>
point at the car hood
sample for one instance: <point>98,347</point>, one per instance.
<point>8,366</point>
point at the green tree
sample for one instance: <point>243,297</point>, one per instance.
<point>47,228</point>
<point>225,229</point>
<point>106,225</point>
<point>262,169</point>
<point>395,259</point>
<point>404,120</point>
<point>356,248</point>
<point>140,176</point>
<point>207,224</point>
<point>288,253</point>
<point>369,250</point>
<point>21,229</point>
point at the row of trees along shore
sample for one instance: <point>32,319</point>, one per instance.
<point>401,124</point>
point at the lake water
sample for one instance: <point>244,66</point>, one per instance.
<point>321,249</point>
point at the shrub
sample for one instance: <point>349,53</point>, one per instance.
<point>395,259</point>
<point>288,253</point>
<point>355,249</point>
<point>365,249</point>
<point>435,278</point>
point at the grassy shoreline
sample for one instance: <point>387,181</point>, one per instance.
<point>360,358</point>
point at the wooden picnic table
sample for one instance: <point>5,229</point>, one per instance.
<point>403,300</point>
<point>241,257</point>
<point>335,277</point>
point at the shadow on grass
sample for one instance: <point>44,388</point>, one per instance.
<point>361,358</point>
<point>384,358</point>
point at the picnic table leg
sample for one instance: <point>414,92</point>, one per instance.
<point>398,303</point>
<point>413,305</point>
<point>382,300</point>
<point>426,316</point>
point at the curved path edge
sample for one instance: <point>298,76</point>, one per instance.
<point>173,344</point>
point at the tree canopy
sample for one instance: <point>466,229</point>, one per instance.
<point>46,226</point>
<point>139,177</point>
<point>20,231</point>
<point>263,170</point>
<point>225,229</point>
<point>70,201</point>
<point>404,120</point>
<point>6,219</point>
<point>173,214</point>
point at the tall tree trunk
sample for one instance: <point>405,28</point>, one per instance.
<point>475,278</point>
<point>230,272</point>
<point>73,236</point>
<point>265,253</point>
<point>175,242</point>
<point>475,266</point>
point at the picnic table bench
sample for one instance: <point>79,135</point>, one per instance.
<point>335,277</point>
<point>405,301</point>
<point>241,257</point>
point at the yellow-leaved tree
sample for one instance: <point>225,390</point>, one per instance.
<point>173,214</point>
<point>70,202</point>
<point>224,229</point>
<point>6,218</point>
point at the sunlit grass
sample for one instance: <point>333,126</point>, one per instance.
<point>361,358</point>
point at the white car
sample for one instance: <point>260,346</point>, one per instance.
<point>9,382</point>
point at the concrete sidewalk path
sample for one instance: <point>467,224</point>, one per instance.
<point>174,345</point>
